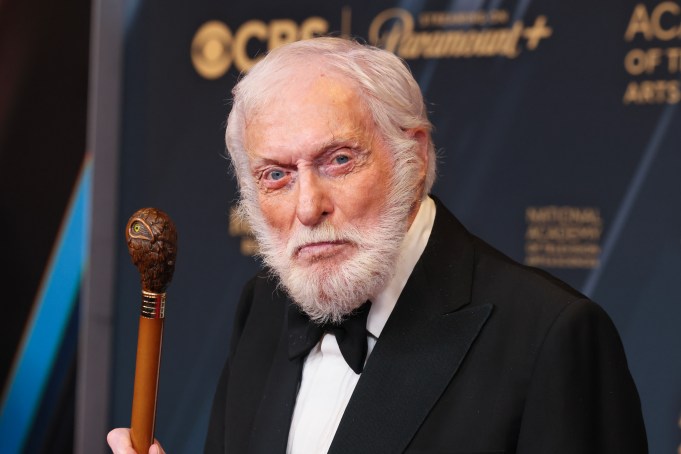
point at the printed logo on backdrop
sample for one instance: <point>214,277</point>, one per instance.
<point>239,228</point>
<point>654,59</point>
<point>216,48</point>
<point>442,34</point>
<point>563,236</point>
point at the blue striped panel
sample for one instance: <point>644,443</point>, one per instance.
<point>51,313</point>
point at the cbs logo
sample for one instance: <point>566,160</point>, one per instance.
<point>215,48</point>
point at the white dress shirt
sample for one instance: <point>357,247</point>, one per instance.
<point>328,382</point>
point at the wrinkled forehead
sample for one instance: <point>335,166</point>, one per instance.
<point>314,110</point>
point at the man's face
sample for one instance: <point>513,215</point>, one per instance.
<point>324,179</point>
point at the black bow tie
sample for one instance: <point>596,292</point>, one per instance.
<point>351,335</point>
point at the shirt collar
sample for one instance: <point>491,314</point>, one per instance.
<point>411,249</point>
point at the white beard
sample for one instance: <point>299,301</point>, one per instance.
<point>328,292</point>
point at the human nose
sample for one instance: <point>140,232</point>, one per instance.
<point>314,202</point>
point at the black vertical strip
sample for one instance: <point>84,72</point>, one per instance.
<point>44,56</point>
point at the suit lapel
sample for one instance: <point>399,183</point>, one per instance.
<point>273,419</point>
<point>420,349</point>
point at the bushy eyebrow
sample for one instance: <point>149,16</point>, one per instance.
<point>260,162</point>
<point>336,143</point>
<point>324,149</point>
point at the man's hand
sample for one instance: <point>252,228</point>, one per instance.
<point>120,443</point>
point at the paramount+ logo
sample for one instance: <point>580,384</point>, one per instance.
<point>215,48</point>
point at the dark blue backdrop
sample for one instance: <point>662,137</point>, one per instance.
<point>570,112</point>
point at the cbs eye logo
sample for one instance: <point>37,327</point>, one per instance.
<point>211,49</point>
<point>214,48</point>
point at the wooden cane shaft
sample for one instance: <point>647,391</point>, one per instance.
<point>146,383</point>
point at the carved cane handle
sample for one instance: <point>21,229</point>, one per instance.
<point>152,244</point>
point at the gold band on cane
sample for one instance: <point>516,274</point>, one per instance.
<point>153,304</point>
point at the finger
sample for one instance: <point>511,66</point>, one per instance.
<point>156,448</point>
<point>119,441</point>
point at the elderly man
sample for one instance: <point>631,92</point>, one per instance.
<point>380,325</point>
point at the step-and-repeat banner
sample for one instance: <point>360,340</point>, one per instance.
<point>559,130</point>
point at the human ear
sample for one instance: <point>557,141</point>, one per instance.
<point>422,137</point>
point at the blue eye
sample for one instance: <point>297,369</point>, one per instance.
<point>277,175</point>
<point>342,159</point>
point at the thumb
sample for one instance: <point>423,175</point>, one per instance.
<point>156,448</point>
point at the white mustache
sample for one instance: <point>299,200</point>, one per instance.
<point>324,233</point>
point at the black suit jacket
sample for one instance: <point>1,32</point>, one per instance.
<point>480,355</point>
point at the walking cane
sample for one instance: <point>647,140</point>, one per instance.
<point>152,243</point>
